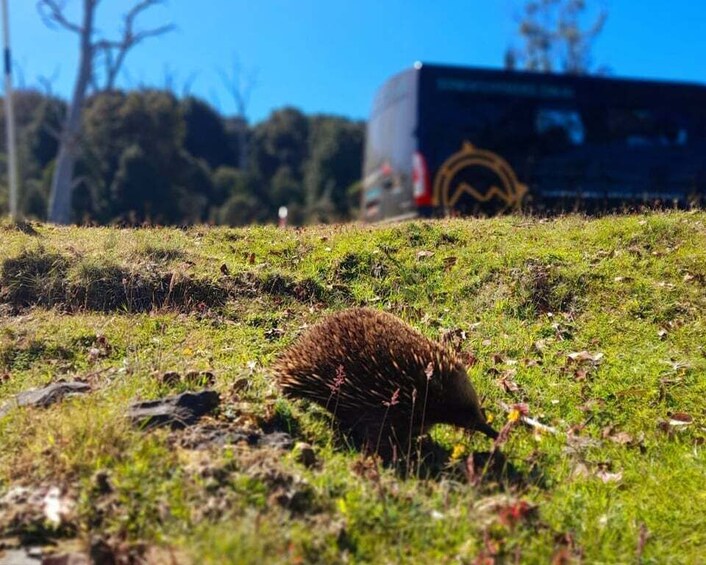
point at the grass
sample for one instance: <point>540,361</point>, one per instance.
<point>120,308</point>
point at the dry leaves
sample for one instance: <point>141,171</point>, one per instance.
<point>602,472</point>
<point>449,262</point>
<point>584,357</point>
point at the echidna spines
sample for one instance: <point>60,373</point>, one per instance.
<point>375,372</point>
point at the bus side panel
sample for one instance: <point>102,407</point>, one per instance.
<point>586,142</point>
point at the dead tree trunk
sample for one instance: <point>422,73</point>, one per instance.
<point>62,181</point>
<point>113,54</point>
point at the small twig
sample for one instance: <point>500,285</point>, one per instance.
<point>531,422</point>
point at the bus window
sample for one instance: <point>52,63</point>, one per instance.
<point>564,124</point>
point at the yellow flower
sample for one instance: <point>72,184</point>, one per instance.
<point>489,418</point>
<point>458,451</point>
<point>187,352</point>
<point>514,415</point>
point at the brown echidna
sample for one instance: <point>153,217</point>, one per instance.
<point>380,378</point>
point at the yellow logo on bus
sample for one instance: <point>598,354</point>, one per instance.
<point>452,181</point>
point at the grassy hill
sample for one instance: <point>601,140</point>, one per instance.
<point>597,326</point>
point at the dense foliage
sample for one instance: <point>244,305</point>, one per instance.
<point>148,156</point>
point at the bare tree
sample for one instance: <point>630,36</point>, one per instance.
<point>555,37</point>
<point>240,85</point>
<point>112,54</point>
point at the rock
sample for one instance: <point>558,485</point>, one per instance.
<point>34,508</point>
<point>101,551</point>
<point>175,411</point>
<point>304,454</point>
<point>170,378</point>
<point>278,440</point>
<point>20,556</point>
<point>200,379</point>
<point>43,397</point>
<point>101,482</point>
<point>204,437</point>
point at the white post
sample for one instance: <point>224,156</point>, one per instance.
<point>9,116</point>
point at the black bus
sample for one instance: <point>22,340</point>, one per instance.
<point>451,140</point>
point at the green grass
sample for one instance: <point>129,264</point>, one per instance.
<point>119,308</point>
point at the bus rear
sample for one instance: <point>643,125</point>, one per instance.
<point>393,172</point>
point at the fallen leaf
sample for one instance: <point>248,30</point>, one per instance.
<point>580,471</point>
<point>580,375</point>
<point>583,356</point>
<point>622,438</point>
<point>540,345</point>
<point>224,269</point>
<point>449,262</point>
<point>507,383</point>
<point>608,477</point>
<point>679,419</point>
<point>424,254</point>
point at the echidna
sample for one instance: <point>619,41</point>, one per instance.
<point>380,378</point>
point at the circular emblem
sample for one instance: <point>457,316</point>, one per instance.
<point>476,178</point>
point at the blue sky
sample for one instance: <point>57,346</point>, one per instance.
<point>331,55</point>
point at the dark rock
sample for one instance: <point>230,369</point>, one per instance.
<point>304,454</point>
<point>278,440</point>
<point>101,482</point>
<point>170,378</point>
<point>43,397</point>
<point>175,411</point>
<point>101,551</point>
<point>200,379</point>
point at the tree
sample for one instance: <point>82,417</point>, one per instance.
<point>123,131</point>
<point>112,53</point>
<point>240,86</point>
<point>556,37</point>
<point>334,164</point>
<point>206,136</point>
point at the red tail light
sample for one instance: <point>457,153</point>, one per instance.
<point>420,180</point>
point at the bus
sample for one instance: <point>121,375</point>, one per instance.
<point>445,140</point>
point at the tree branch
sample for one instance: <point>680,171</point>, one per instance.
<point>115,51</point>
<point>239,86</point>
<point>52,13</point>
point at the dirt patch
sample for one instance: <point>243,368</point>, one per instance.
<point>111,288</point>
<point>36,277</point>
<point>541,288</point>
<point>39,277</point>
<point>305,290</point>
<point>19,225</point>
